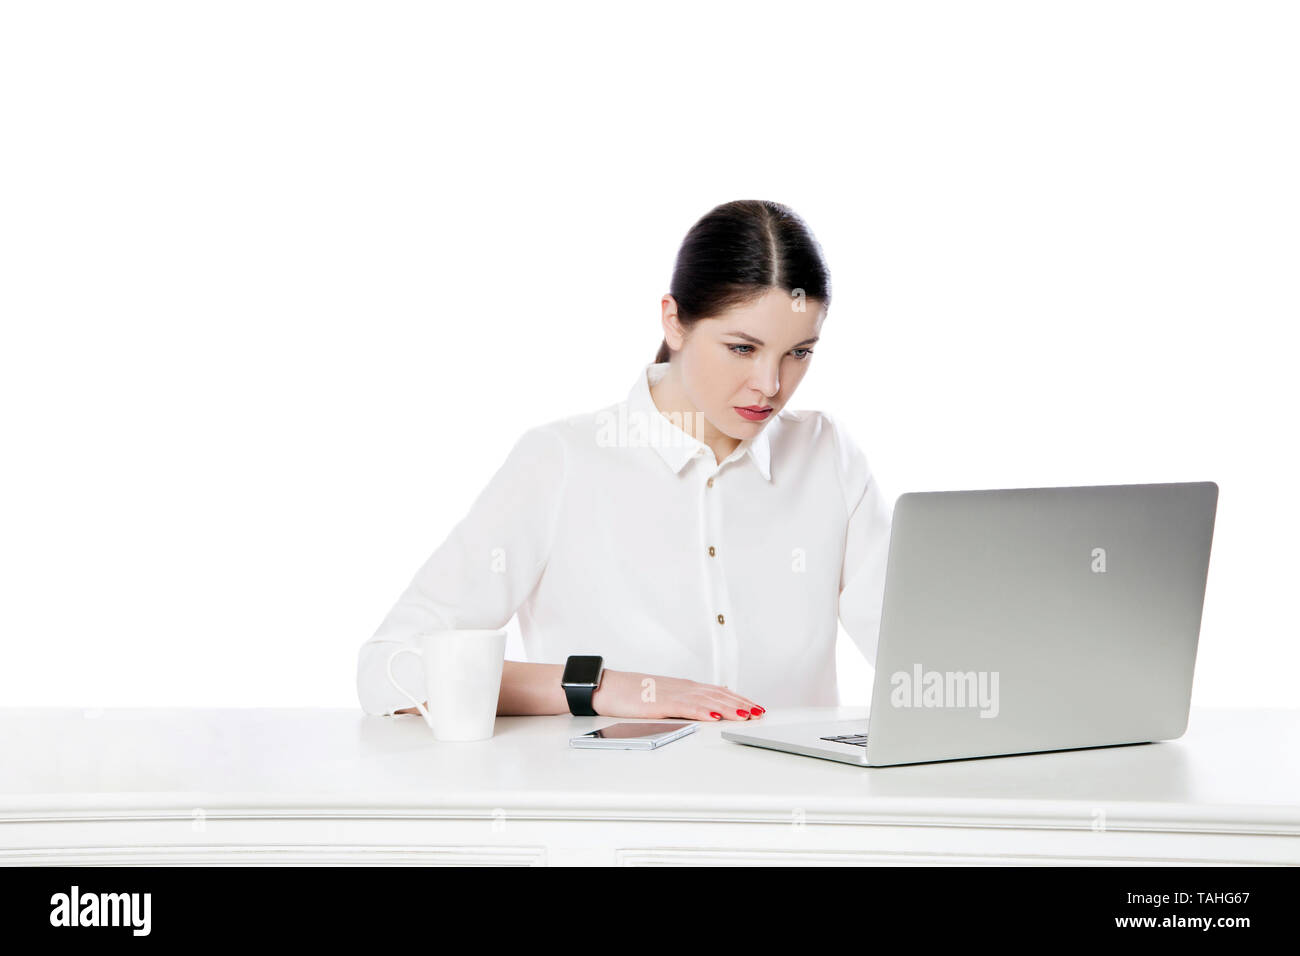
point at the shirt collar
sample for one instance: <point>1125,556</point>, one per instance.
<point>677,446</point>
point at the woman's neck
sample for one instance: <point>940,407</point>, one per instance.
<point>669,397</point>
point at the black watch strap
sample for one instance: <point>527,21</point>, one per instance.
<point>580,701</point>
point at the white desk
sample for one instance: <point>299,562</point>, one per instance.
<point>337,786</point>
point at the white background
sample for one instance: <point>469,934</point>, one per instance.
<point>281,284</point>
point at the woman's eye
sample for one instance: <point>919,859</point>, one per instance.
<point>801,358</point>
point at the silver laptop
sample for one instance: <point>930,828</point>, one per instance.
<point>1027,620</point>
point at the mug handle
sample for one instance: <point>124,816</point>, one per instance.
<point>393,680</point>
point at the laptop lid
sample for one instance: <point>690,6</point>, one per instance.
<point>1033,619</point>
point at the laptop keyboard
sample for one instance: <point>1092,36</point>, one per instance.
<point>859,740</point>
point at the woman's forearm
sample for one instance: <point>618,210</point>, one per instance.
<point>525,689</point>
<point>531,689</point>
<point>528,689</point>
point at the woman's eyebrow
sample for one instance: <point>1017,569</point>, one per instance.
<point>750,338</point>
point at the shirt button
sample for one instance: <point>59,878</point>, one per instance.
<point>721,620</point>
<point>710,482</point>
<point>710,550</point>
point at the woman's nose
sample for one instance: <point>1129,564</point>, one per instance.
<point>767,385</point>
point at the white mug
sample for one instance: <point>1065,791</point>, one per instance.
<point>462,675</point>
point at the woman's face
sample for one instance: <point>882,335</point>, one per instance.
<point>752,355</point>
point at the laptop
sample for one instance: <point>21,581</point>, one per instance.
<point>1027,620</point>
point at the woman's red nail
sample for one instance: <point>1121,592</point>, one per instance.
<point>742,713</point>
<point>757,710</point>
<point>715,715</point>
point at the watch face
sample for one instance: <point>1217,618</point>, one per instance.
<point>581,670</point>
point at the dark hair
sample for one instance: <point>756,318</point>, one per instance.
<point>738,251</point>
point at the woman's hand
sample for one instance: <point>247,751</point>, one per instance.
<point>629,694</point>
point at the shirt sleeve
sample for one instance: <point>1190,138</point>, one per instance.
<point>482,572</point>
<point>866,546</point>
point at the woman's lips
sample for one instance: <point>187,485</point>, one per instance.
<point>750,414</point>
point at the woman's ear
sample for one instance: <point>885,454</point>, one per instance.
<point>674,334</point>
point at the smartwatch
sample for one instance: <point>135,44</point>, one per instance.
<point>581,678</point>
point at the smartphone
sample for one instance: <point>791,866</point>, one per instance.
<point>632,736</point>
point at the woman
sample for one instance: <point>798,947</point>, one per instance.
<point>699,536</point>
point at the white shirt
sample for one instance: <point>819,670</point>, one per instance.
<point>618,533</point>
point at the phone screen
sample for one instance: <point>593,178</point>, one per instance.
<point>629,731</point>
